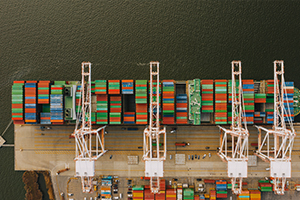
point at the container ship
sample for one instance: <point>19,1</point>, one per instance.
<point>126,102</point>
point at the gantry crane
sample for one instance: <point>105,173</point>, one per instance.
<point>279,154</point>
<point>89,142</point>
<point>237,157</point>
<point>154,156</point>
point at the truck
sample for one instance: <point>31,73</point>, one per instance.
<point>182,144</point>
<point>62,170</point>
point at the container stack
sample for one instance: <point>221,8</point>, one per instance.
<point>155,97</point>
<point>181,109</point>
<point>270,101</point>
<point>128,118</point>
<point>245,195</point>
<point>260,98</point>
<point>137,192</point>
<point>168,102</point>
<point>207,96</point>
<point>17,97</point>
<point>56,104</point>
<point>188,194</point>
<point>102,109</point>
<point>179,193</point>
<point>115,110</point>
<point>30,102</point>
<point>258,117</point>
<point>141,101</point>
<point>78,99</point>
<point>93,87</point>
<point>171,194</point>
<point>127,86</point>
<point>148,195</point>
<point>255,195</point>
<point>113,86</point>
<point>106,184</point>
<point>288,100</point>
<point>100,87</point>
<point>248,95</point>
<point>162,192</point>
<point>221,187</point>
<point>212,195</point>
<point>45,118</point>
<point>220,101</point>
<point>43,92</point>
<point>106,192</point>
<point>264,186</point>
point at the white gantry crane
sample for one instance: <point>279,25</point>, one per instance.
<point>237,135</point>
<point>89,142</point>
<point>154,155</point>
<point>279,154</point>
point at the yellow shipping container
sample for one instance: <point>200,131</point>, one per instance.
<point>170,195</point>
<point>138,195</point>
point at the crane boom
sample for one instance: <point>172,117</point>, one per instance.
<point>237,158</point>
<point>154,155</point>
<point>89,142</point>
<point>280,153</point>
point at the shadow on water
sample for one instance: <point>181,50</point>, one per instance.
<point>42,184</point>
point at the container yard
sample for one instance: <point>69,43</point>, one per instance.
<point>191,112</point>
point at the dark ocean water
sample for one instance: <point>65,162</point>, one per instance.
<point>48,40</point>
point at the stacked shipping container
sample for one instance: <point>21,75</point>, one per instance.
<point>188,194</point>
<point>221,187</point>
<point>43,92</point>
<point>148,195</point>
<point>56,103</point>
<point>78,99</point>
<point>115,110</point>
<point>248,95</point>
<point>288,99</point>
<point>255,195</point>
<point>102,109</point>
<point>270,101</point>
<point>138,193</point>
<point>181,109</point>
<point>17,102</point>
<point>102,102</point>
<point>212,195</point>
<point>113,86</point>
<point>30,102</point>
<point>127,86</point>
<point>128,118</point>
<point>168,101</point>
<point>220,101</point>
<point>264,186</point>
<point>207,96</point>
<point>141,101</point>
<point>245,195</point>
<point>162,186</point>
<point>100,87</point>
<point>179,194</point>
<point>17,98</point>
<point>171,194</point>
